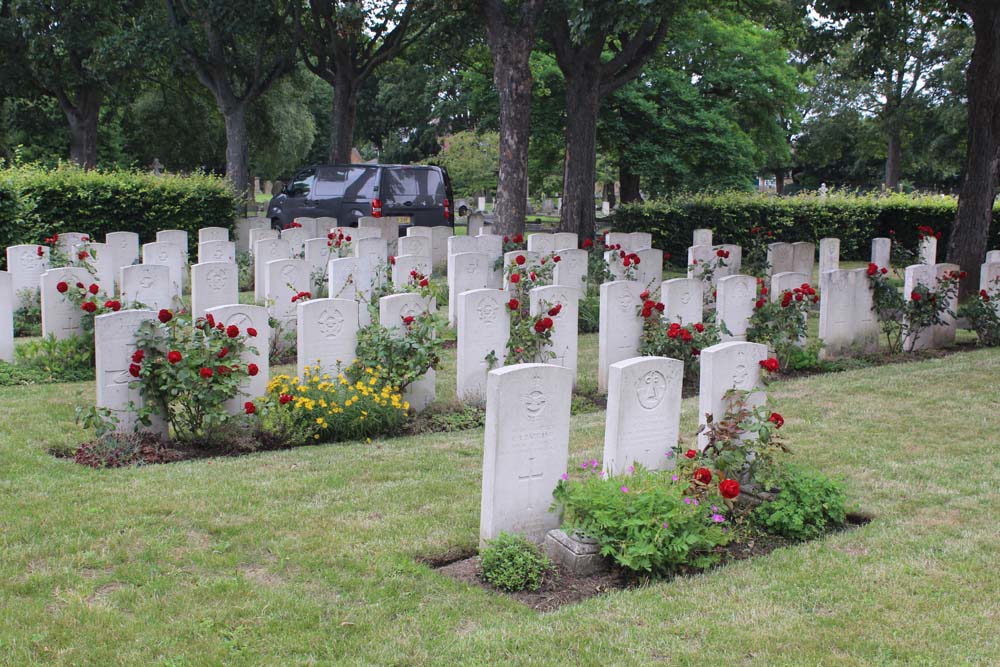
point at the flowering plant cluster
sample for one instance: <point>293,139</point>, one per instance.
<point>329,408</point>
<point>58,258</point>
<point>673,340</point>
<point>405,353</point>
<point>629,261</point>
<point>755,252</point>
<point>706,271</point>
<point>187,373</point>
<point>646,521</point>
<point>510,243</point>
<point>90,299</point>
<point>903,320</point>
<point>598,271</point>
<point>530,336</point>
<point>781,325</point>
<point>983,312</point>
<point>339,244</point>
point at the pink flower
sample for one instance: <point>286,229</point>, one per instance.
<point>624,489</point>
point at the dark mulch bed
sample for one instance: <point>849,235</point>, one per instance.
<point>568,588</point>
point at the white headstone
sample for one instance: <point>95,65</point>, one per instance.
<point>457,244</point>
<point>176,236</point>
<point>114,345</point>
<point>927,250</point>
<point>530,259</point>
<point>405,265</point>
<point>733,263</point>
<point>69,241</point>
<point>944,334</point>
<point>698,257</point>
<point>926,275</point>
<point>803,257</point>
<point>726,366</point>
<point>261,234</point>
<point>605,208</point>
<point>476,223</point>
<point>639,241</point>
<point>565,303</point>
<point>571,269</point>
<point>481,203</point>
<point>483,329</point>
<point>644,412</point>
<point>650,269</point>
<point>342,278</point>
<point>439,243</point>
<point>216,251</point>
<point>257,349</point>
<point>206,234</point>
<point>146,285</point>
<point>620,326</point>
<point>60,316</point>
<point>541,243</point>
<point>283,280</point>
<point>829,254</point>
<point>124,250</point>
<point>26,267</point>
<point>786,281</point>
<point>371,247</point>
<point>100,264</point>
<point>989,277</point>
<point>264,251</point>
<point>846,318</point>
<point>327,335</point>
<point>213,284</point>
<point>702,237</point>
<point>466,271</point>
<point>388,228</point>
<point>415,245</point>
<point>492,246</point>
<point>392,310</point>
<point>316,227</point>
<point>317,255</point>
<point>168,255</point>
<point>565,241</point>
<point>780,258</point>
<point>682,300</point>
<point>296,237</point>
<point>526,449</point>
<point>734,302</point>
<point>882,252</point>
<point>241,232</point>
<point>7,306</point>
<point>616,239</point>
<point>992,257</point>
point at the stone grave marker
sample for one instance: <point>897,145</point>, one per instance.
<point>60,316</point>
<point>682,300</point>
<point>392,309</point>
<point>927,250</point>
<point>780,258</point>
<point>206,234</point>
<point>213,284</point>
<point>176,236</point>
<point>7,307</point>
<point>264,251</point>
<point>829,254</point>
<point>650,269</point>
<point>733,263</point>
<point>698,257</point>
<point>620,326</point>
<point>241,233</point>
<point>846,319</point>
<point>261,235</point>
<point>466,271</point>
<point>476,222</point>
<point>541,243</point>
<point>283,279</point>
<point>526,449</point>
<point>257,349</point>
<point>571,270</point>
<point>114,345</point>
<point>371,247</point>
<point>882,252</point>
<point>944,334</point>
<point>566,300</point>
<point>735,304</point>
<point>327,335</point>
<point>317,256</point>
<point>26,267</point>
<point>296,238</point>
<point>483,329</point>
<point>803,257</point>
<point>404,266</point>
<point>702,237</point>
<point>146,285</point>
<point>216,251</point>
<point>171,256</point>
<point>124,250</point>
<point>565,241</point>
<point>926,275</point>
<point>415,245</point>
<point>725,366</point>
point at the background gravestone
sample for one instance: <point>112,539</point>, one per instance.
<point>735,299</point>
<point>213,284</point>
<point>571,270</point>
<point>620,326</point>
<point>168,255</point>
<point>466,271</point>
<point>327,335</point>
<point>257,349</point>
<point>483,329</point>
<point>124,250</point>
<point>682,300</point>
<point>264,251</point>
<point>392,309</point>
<point>60,316</point>
<point>730,365</point>
<point>564,342</point>
<point>148,285</point>
<point>216,251</point>
<point>882,252</point>
<point>26,267</point>
<point>7,306</point>
<point>206,234</point>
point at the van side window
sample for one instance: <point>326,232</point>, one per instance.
<point>417,186</point>
<point>302,183</point>
<point>351,183</point>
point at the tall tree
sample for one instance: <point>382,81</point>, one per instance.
<point>969,237</point>
<point>510,31</point>
<point>581,33</point>
<point>77,52</point>
<point>237,51</point>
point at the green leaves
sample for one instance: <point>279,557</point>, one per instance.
<point>511,563</point>
<point>808,505</point>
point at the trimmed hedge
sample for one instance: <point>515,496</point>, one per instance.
<point>36,202</point>
<point>854,219</point>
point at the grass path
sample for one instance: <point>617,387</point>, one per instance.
<point>307,557</point>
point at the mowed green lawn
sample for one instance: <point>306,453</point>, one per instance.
<point>309,556</point>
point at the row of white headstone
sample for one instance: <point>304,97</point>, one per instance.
<point>526,444</point>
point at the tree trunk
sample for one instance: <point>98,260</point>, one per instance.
<point>629,183</point>
<point>511,47</point>
<point>237,152</point>
<point>779,182</point>
<point>83,116</point>
<point>582,104</point>
<point>345,107</point>
<point>967,244</point>
<point>894,159</point>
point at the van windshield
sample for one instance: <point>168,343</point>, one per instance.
<point>351,183</point>
<point>413,186</point>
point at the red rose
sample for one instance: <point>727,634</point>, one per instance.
<point>81,286</point>
<point>133,370</point>
<point>252,369</point>
<point>425,282</point>
<point>533,275</point>
<point>413,273</point>
<point>556,259</point>
<point>554,310</point>
<point>659,306</point>
<point>539,327</point>
<point>165,315</point>
<point>93,289</point>
<point>770,365</point>
<point>116,305</point>
<point>626,262</point>
<point>587,243</point>
<point>519,239</point>
<point>205,372</point>
<point>686,335</point>
<point>872,268</point>
<point>644,295</point>
<point>647,312</point>
<point>250,331</point>
<point>729,488</point>
<point>515,278</point>
<point>89,306</point>
<point>513,304</point>
<point>232,331</point>
<point>703,475</point>
<point>138,356</point>
<point>962,275</point>
<point>83,254</point>
<point>506,239</point>
<point>220,326</point>
<point>223,352</point>
<point>284,399</point>
<point>547,321</point>
<point>983,295</point>
<point>759,304</point>
<point>223,370</point>
<point>690,453</point>
<point>776,419</point>
<point>520,259</point>
<point>249,408</point>
<point>408,320</point>
<point>210,320</point>
<point>40,251</point>
<point>915,296</point>
<point>392,260</point>
<point>173,356</point>
<point>61,287</point>
<point>699,327</point>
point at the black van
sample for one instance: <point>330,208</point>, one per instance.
<point>350,191</point>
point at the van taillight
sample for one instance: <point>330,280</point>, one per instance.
<point>447,210</point>
<point>376,208</point>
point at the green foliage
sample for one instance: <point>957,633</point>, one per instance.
<point>590,314</point>
<point>406,353</point>
<point>51,360</point>
<point>471,160</point>
<point>512,563</point>
<point>744,443</point>
<point>903,318</point>
<point>854,219</point>
<point>781,324</point>
<point>983,313</point>
<point>49,201</point>
<point>669,339</point>
<point>808,505</point>
<point>28,315</point>
<point>645,521</point>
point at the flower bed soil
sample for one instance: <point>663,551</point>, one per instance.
<point>568,588</point>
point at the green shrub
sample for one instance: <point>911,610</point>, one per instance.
<point>854,219</point>
<point>36,202</point>
<point>808,505</point>
<point>589,314</point>
<point>646,522</point>
<point>51,360</point>
<point>511,563</point>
